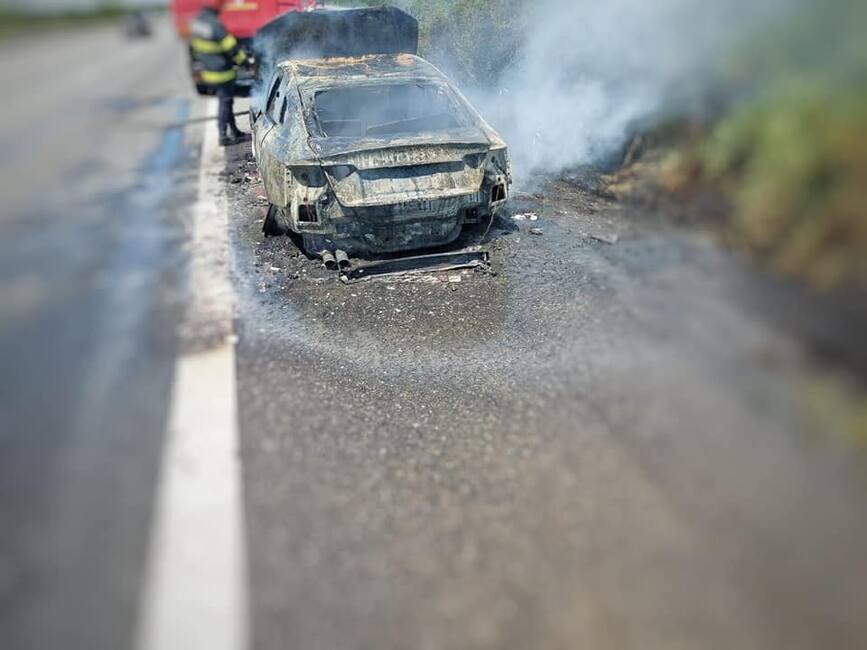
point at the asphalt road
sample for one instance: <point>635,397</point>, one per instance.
<point>89,259</point>
<point>599,445</point>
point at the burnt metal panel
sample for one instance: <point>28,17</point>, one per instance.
<point>462,259</point>
<point>338,33</point>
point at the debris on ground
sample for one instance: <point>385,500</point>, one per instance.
<point>536,231</point>
<point>526,216</point>
<point>473,257</point>
<point>605,239</point>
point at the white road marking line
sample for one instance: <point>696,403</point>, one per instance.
<point>196,591</point>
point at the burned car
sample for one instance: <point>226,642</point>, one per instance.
<point>374,154</point>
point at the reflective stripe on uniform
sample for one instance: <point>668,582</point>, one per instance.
<point>240,57</point>
<point>203,46</point>
<point>213,78</point>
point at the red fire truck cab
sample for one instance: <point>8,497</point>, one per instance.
<point>242,18</point>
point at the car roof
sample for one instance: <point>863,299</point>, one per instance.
<point>312,73</point>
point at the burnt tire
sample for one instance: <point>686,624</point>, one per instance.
<point>276,224</point>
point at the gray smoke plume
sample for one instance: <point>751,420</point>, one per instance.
<point>590,72</point>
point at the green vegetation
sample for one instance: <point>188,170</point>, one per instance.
<point>787,159</point>
<point>795,167</point>
<point>14,22</point>
<point>793,158</point>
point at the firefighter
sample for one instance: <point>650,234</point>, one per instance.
<point>219,54</point>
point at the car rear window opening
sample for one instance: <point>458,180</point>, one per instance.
<point>384,111</point>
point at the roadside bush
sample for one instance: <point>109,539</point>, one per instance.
<point>786,147</point>
<point>793,158</point>
<point>795,165</point>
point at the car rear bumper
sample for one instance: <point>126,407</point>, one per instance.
<point>392,228</point>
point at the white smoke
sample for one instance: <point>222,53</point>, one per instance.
<point>590,72</point>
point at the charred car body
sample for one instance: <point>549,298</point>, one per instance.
<point>374,153</point>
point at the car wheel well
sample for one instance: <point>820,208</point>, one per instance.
<point>276,222</point>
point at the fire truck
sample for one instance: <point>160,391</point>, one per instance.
<point>242,18</point>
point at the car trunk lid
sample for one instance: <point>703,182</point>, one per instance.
<point>421,169</point>
<point>406,174</point>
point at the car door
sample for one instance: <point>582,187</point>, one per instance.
<point>258,109</point>
<point>269,142</point>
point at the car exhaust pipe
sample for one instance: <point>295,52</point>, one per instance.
<point>342,258</point>
<point>328,260</point>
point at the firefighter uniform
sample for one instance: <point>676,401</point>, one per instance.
<point>218,53</point>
